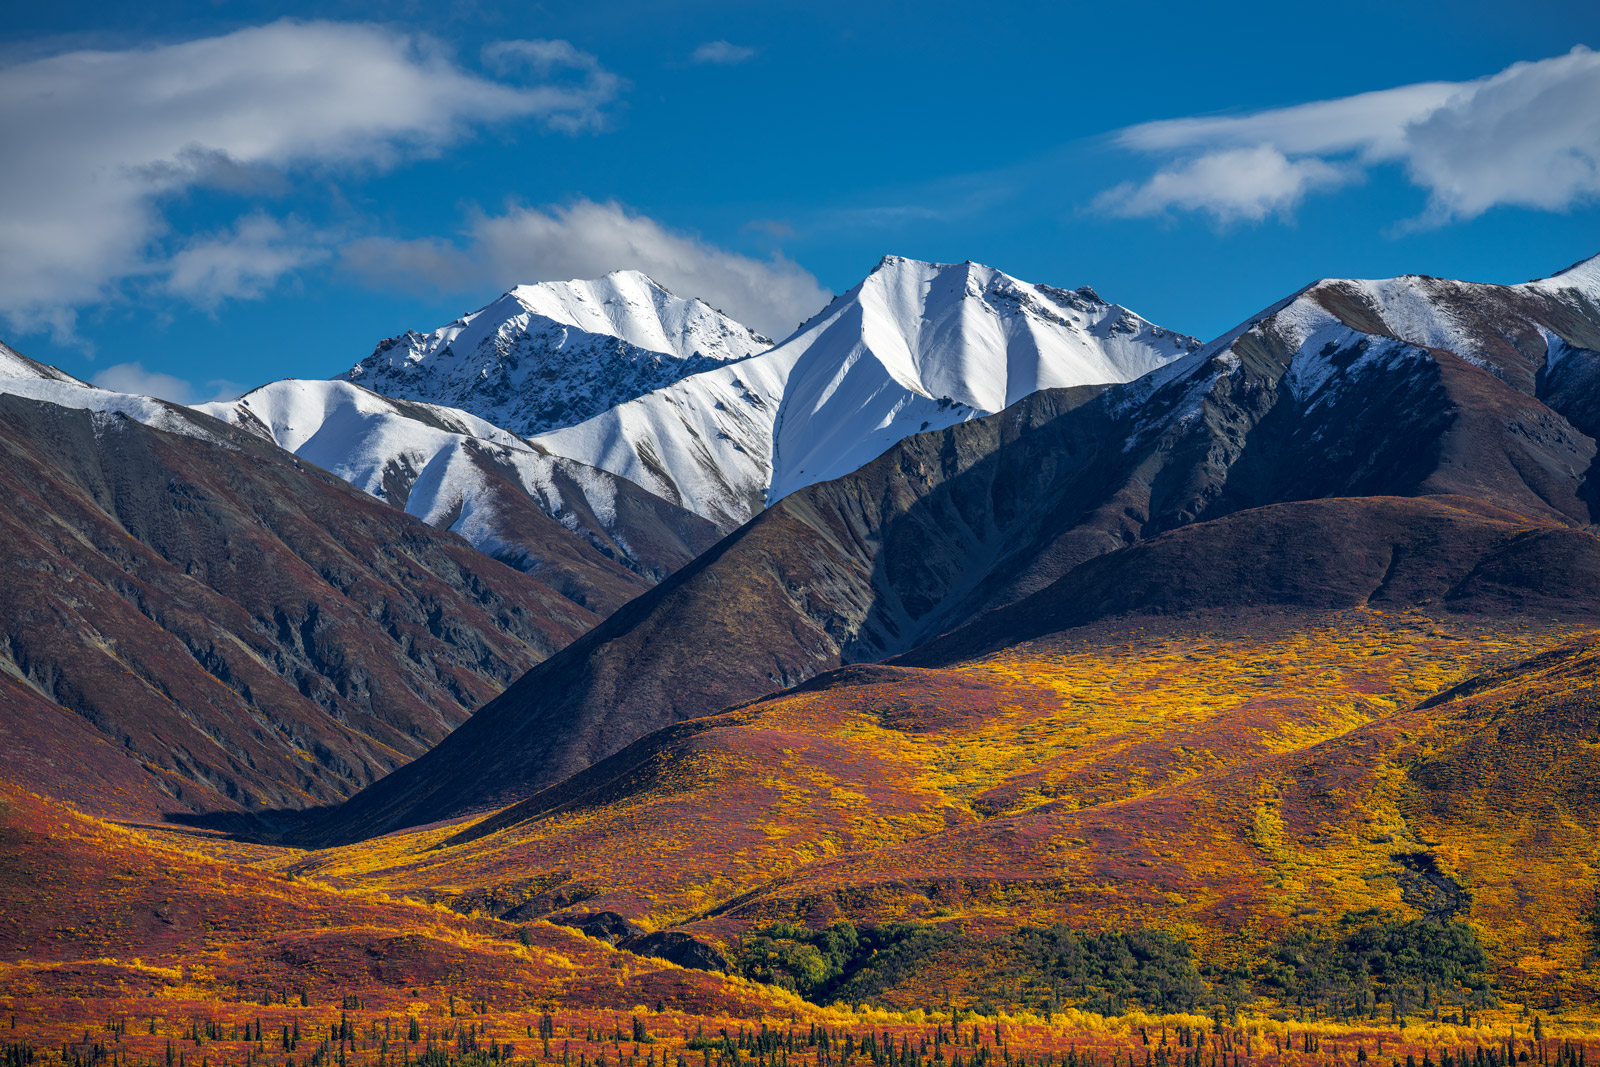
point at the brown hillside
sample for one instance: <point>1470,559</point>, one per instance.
<point>237,632</point>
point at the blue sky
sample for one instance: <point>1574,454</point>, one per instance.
<point>204,196</point>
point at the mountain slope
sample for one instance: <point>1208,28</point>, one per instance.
<point>1297,404</point>
<point>596,538</point>
<point>1242,773</point>
<point>553,354</point>
<point>689,818</point>
<point>915,346</point>
<point>30,379</point>
<point>196,621</point>
<point>1476,804</point>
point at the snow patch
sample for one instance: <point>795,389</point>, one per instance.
<point>1582,277</point>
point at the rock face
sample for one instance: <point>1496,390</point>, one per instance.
<point>915,346</point>
<point>674,946</point>
<point>556,353</point>
<point>195,620</point>
<point>1342,390</point>
<point>596,538</point>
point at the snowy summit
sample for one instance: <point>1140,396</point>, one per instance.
<point>556,353</point>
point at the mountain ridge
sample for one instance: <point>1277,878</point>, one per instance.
<point>594,536</point>
<point>914,346</point>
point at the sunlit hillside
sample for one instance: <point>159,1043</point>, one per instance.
<point>1230,781</point>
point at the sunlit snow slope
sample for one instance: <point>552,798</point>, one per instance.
<point>553,354</point>
<point>915,346</point>
<point>456,471</point>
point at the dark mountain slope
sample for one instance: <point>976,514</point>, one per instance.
<point>248,632</point>
<point>1447,554</point>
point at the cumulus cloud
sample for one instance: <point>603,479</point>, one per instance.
<point>1528,136</point>
<point>586,239</point>
<point>722,53</point>
<point>133,378</point>
<point>98,141</point>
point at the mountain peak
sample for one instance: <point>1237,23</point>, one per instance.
<point>634,307</point>
<point>897,266</point>
<point>553,353</point>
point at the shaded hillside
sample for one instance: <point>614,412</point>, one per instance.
<point>1443,553</point>
<point>1318,397</point>
<point>195,621</point>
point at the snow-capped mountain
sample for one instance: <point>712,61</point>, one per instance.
<point>553,354</point>
<point>379,445</point>
<point>14,366</point>
<point>456,471</point>
<point>915,346</point>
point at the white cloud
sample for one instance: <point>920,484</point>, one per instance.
<point>243,263</point>
<point>585,240</point>
<point>1374,123</point>
<point>133,378</point>
<point>97,141</point>
<point>1232,184</point>
<point>722,52</point>
<point>572,107</point>
<point>1527,136</point>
